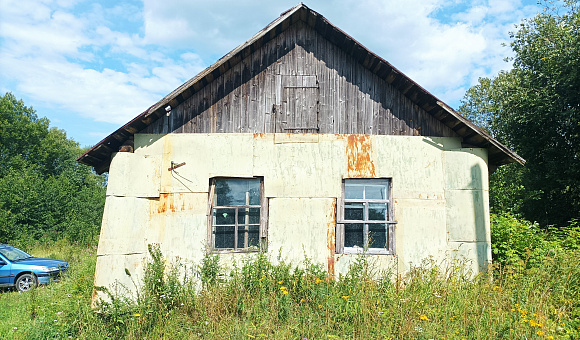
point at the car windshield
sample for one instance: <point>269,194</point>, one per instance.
<point>14,254</point>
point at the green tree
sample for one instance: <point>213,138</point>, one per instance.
<point>535,109</point>
<point>44,192</point>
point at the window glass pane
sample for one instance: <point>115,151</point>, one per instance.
<point>224,237</point>
<point>353,235</point>
<point>224,216</point>
<point>248,236</point>
<point>249,216</point>
<point>377,211</point>
<point>353,191</point>
<point>254,236</point>
<point>354,211</point>
<point>237,191</point>
<point>375,192</point>
<point>377,235</point>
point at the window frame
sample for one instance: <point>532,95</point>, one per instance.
<point>389,221</point>
<point>263,224</point>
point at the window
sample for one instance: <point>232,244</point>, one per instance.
<point>236,214</point>
<point>367,222</point>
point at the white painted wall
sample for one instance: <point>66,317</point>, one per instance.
<point>440,194</point>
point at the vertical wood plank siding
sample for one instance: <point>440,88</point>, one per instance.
<point>252,96</point>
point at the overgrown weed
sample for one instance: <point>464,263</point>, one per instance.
<point>257,298</point>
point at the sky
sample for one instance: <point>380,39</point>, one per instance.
<point>91,66</point>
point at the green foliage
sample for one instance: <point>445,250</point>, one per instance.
<point>517,242</point>
<point>44,192</point>
<point>520,243</point>
<point>210,270</point>
<point>263,299</point>
<point>535,109</point>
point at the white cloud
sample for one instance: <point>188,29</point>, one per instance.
<point>49,55</point>
<point>111,63</point>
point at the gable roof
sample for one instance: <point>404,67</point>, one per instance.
<point>99,156</point>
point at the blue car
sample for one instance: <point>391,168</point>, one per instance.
<point>24,271</point>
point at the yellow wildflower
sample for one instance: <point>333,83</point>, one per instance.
<point>424,317</point>
<point>540,333</point>
<point>496,288</point>
<point>550,337</point>
<point>319,306</point>
<point>302,300</point>
<point>318,280</point>
<point>345,297</point>
<point>137,314</point>
<point>284,290</point>
<point>280,282</point>
<point>533,323</point>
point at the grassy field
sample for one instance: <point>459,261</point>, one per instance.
<point>259,300</point>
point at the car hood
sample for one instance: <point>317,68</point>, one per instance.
<point>35,261</point>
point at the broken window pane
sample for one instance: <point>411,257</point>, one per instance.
<point>224,216</point>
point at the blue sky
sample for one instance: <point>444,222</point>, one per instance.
<point>91,66</point>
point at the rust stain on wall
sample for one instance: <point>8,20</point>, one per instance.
<point>330,240</point>
<point>359,157</point>
<point>259,135</point>
<point>168,202</point>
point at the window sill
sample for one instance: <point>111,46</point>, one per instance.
<point>371,251</point>
<point>235,251</point>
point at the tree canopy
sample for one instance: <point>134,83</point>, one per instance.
<point>44,192</point>
<point>535,109</point>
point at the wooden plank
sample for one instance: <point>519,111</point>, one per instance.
<point>236,106</point>
<point>370,102</point>
<point>254,114</point>
<point>342,85</point>
<point>325,117</point>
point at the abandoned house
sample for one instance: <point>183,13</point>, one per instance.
<point>299,141</point>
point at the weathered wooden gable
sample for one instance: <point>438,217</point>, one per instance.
<point>300,74</point>
<point>300,82</point>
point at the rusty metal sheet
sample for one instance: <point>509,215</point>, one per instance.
<point>300,169</point>
<point>206,156</point>
<point>134,175</point>
<point>178,222</point>
<point>110,273</point>
<point>280,138</point>
<point>421,231</point>
<point>466,169</point>
<point>475,257</point>
<point>468,215</point>
<point>414,163</point>
<point>359,155</point>
<point>299,226</point>
<point>124,221</point>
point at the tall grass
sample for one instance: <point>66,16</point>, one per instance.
<point>258,299</point>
